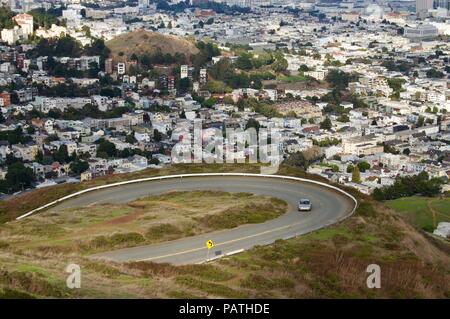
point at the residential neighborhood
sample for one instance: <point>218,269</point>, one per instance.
<point>350,83</point>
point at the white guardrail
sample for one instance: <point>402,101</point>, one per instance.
<point>147,179</point>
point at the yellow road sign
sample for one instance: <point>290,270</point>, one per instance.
<point>209,244</point>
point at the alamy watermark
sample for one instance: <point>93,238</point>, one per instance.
<point>74,279</point>
<point>374,279</point>
<point>228,145</point>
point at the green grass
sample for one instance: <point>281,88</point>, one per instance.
<point>159,232</point>
<point>32,268</point>
<point>419,210</point>
<point>249,214</point>
<point>117,240</point>
<point>207,272</point>
<point>329,233</point>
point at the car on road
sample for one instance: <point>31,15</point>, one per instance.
<point>304,204</point>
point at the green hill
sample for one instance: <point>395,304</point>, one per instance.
<point>142,42</point>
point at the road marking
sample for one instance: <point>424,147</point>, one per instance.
<point>94,203</point>
<point>221,244</point>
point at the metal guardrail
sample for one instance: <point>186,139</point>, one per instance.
<point>147,179</point>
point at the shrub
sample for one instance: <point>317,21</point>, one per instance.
<point>162,230</point>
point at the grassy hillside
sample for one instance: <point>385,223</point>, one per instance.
<point>327,263</point>
<point>423,212</point>
<point>142,42</point>
<point>147,220</point>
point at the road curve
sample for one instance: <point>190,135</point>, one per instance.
<point>329,206</point>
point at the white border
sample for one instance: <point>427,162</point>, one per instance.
<point>140,180</point>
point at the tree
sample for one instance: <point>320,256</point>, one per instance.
<point>228,100</point>
<point>106,149</point>
<point>252,123</point>
<point>130,138</point>
<point>356,176</point>
<point>433,73</point>
<point>326,124</point>
<point>396,83</point>
<point>86,30</point>
<point>298,160</point>
<point>420,121</point>
<point>406,151</point>
<point>303,159</point>
<point>183,84</point>
<point>343,118</point>
<point>303,68</point>
<point>280,65</point>
<point>406,186</point>
<point>350,168</point>
<point>363,166</point>
<point>338,79</point>
<point>19,177</point>
<point>77,167</point>
<point>244,62</point>
<point>157,135</point>
<point>62,155</point>
<point>6,21</point>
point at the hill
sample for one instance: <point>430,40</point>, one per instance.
<point>144,42</point>
<point>328,263</point>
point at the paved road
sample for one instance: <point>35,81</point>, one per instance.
<point>328,207</point>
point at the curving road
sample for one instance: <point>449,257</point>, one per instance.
<point>329,206</point>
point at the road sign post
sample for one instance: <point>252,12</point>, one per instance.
<point>209,245</point>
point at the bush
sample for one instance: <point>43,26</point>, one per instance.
<point>365,209</point>
<point>234,217</point>
<point>160,231</point>
<point>408,186</point>
<point>120,239</point>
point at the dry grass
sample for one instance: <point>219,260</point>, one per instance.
<point>23,203</point>
<point>146,220</point>
<point>326,264</point>
<point>142,42</point>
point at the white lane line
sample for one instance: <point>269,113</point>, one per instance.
<point>221,244</point>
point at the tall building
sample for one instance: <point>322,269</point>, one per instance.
<point>170,82</point>
<point>121,68</point>
<point>203,76</point>
<point>184,71</point>
<point>422,6</point>
<point>421,32</point>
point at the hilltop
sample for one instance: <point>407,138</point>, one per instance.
<point>142,42</point>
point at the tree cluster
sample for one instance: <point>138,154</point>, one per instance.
<point>406,186</point>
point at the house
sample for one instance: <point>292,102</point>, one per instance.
<point>25,152</point>
<point>362,145</point>
<point>86,176</point>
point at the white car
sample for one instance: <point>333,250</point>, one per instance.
<point>304,205</point>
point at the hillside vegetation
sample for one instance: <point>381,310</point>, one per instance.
<point>146,220</point>
<point>423,212</point>
<point>328,263</point>
<point>143,42</point>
